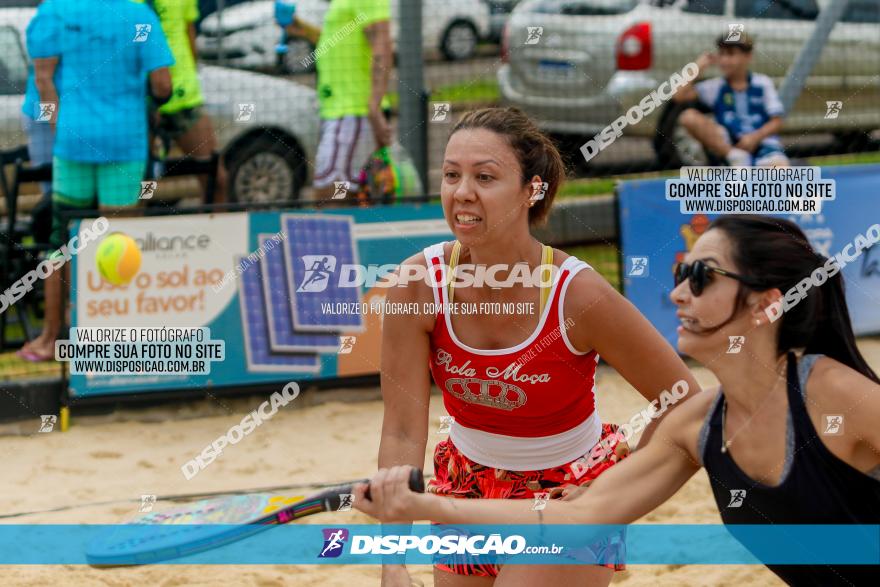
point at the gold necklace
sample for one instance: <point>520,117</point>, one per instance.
<point>725,444</point>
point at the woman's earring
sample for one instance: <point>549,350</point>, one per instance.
<point>757,321</point>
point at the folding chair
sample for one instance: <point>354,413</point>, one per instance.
<point>19,257</point>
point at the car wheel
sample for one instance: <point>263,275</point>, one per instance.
<point>265,170</point>
<point>298,51</point>
<point>459,41</point>
<point>673,145</point>
<point>851,141</point>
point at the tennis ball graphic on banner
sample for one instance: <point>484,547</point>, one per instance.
<point>118,258</point>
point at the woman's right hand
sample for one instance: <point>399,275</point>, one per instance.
<point>391,500</point>
<point>395,576</point>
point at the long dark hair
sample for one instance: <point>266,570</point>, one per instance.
<point>777,254</point>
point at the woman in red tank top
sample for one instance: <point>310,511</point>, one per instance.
<point>519,386</point>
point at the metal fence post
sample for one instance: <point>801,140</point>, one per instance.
<point>809,55</point>
<point>412,130</point>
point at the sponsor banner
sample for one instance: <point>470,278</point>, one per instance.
<point>424,544</point>
<point>258,282</point>
<point>654,235</point>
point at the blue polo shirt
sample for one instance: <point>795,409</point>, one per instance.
<point>106,50</point>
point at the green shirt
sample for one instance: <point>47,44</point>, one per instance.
<point>176,16</point>
<point>344,57</point>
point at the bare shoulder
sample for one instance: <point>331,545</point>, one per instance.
<point>831,384</point>
<point>586,287</point>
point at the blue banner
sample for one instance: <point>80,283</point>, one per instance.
<point>425,544</point>
<point>654,235</point>
<point>279,288</point>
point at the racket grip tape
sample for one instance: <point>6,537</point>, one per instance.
<point>416,482</point>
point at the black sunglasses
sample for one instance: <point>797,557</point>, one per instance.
<point>699,274</point>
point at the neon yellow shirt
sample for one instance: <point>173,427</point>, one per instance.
<point>344,57</point>
<point>176,16</point>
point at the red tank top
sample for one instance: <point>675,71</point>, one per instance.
<point>540,387</point>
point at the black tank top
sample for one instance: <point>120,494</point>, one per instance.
<point>816,488</point>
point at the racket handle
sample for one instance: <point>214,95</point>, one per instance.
<point>416,482</point>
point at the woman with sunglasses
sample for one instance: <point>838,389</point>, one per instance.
<point>771,429</point>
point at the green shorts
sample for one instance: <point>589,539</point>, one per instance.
<point>84,186</point>
<point>177,124</point>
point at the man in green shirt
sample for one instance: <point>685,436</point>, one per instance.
<point>182,118</point>
<point>353,58</point>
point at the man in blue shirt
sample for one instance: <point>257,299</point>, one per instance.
<point>108,50</point>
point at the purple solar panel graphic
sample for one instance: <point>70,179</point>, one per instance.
<point>282,335</point>
<point>256,328</point>
<point>316,249</point>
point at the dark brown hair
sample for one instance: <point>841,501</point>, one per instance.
<point>777,254</point>
<point>536,153</point>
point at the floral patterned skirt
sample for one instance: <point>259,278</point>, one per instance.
<point>459,477</point>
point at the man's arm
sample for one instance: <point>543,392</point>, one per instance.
<point>44,77</point>
<point>300,28</point>
<point>160,85</point>
<point>379,37</point>
<point>192,40</point>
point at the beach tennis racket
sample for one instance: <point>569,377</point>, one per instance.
<point>211,523</point>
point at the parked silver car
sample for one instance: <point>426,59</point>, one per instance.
<point>597,58</point>
<point>250,34</point>
<point>267,127</point>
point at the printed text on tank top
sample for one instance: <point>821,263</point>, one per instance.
<point>540,387</point>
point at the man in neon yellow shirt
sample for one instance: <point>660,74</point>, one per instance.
<point>353,58</point>
<point>182,118</point>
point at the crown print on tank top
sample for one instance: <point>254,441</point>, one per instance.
<point>539,388</point>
